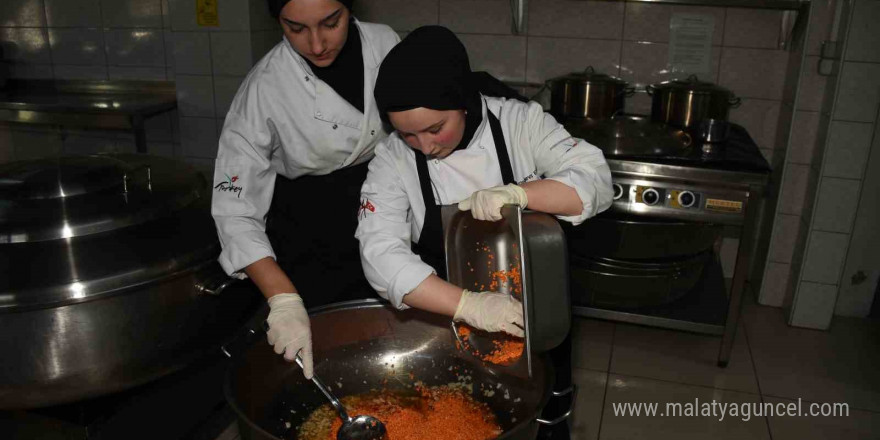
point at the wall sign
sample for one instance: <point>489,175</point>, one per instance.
<point>206,13</point>
<point>690,42</point>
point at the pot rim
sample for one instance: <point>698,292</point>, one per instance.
<point>690,85</point>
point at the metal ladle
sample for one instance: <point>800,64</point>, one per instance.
<point>357,428</point>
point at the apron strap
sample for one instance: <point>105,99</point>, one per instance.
<point>430,246</point>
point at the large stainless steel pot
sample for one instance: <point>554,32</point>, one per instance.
<point>109,277</point>
<point>685,103</point>
<point>587,95</point>
<point>359,346</point>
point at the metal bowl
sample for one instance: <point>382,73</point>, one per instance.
<point>366,345</point>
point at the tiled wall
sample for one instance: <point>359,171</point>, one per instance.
<point>837,265</point>
<point>211,63</point>
<point>85,39</point>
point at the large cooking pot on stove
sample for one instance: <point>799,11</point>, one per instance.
<point>685,103</point>
<point>108,276</point>
<point>362,346</point>
<point>587,94</point>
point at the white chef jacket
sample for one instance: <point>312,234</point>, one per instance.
<point>392,211</point>
<point>285,120</point>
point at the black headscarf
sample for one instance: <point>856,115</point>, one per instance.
<point>275,6</point>
<point>430,69</point>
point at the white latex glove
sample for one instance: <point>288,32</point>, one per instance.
<point>490,311</point>
<point>289,329</point>
<point>486,204</point>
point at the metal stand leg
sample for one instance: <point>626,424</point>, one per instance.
<point>140,135</point>
<point>737,289</point>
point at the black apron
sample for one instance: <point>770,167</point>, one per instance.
<point>430,246</point>
<point>311,226</point>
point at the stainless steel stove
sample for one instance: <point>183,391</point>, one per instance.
<point>652,258</point>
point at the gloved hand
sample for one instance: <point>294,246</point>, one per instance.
<point>486,204</point>
<point>491,311</point>
<point>289,329</point>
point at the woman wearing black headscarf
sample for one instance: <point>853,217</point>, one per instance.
<point>454,144</point>
<point>292,157</point>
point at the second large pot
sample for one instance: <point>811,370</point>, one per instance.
<point>587,94</point>
<point>685,103</point>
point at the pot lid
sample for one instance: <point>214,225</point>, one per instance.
<point>691,83</point>
<point>589,75</point>
<point>630,135</point>
<point>73,196</point>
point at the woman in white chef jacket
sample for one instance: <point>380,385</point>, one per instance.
<point>293,155</point>
<point>453,144</point>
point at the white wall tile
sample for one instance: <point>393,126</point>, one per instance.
<point>401,15</point>
<point>36,143</point>
<point>231,53</point>
<point>168,39</point>
<point>814,306</point>
<point>29,45</point>
<point>648,63</point>
<point>476,16</point>
<point>137,73</point>
<point>811,91</point>
<point>79,13</point>
<point>225,88</point>
<point>582,19</point>
<point>264,41</point>
<point>650,22</point>
<point>198,137</point>
<point>192,53</point>
<point>863,42</point>
<point>858,93</point>
<point>848,146</point>
<point>759,117</point>
<point>757,28</point>
<point>550,57</point>
<point>135,47</point>
<point>164,149</point>
<point>133,13</point>
<point>24,13</point>
<point>804,137</point>
<point>166,15</point>
<point>837,203</point>
<point>785,234</point>
<point>232,16</point>
<point>824,258</point>
<point>195,95</point>
<point>77,46</point>
<point>774,284</point>
<point>503,56</point>
<point>63,71</point>
<point>753,73</point>
<point>639,103</point>
<point>158,127</point>
<point>794,189</point>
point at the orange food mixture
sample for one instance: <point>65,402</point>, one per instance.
<point>506,351</point>
<point>435,413</point>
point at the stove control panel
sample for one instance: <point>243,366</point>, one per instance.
<point>678,200</point>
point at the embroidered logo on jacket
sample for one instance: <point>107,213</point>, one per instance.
<point>228,185</point>
<point>365,206</point>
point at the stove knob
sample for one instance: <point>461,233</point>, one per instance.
<point>618,191</point>
<point>686,199</point>
<point>650,196</point>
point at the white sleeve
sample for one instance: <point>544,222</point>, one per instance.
<point>242,193</point>
<point>571,161</point>
<point>385,232</point>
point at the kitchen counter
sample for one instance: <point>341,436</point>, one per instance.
<point>109,105</point>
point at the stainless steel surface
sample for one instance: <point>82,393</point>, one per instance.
<point>630,135</point>
<point>102,312</point>
<point>529,240</point>
<point>637,317</point>
<point>110,105</point>
<point>361,344</point>
<point>713,131</point>
<point>587,94</point>
<point>685,103</point>
<point>359,427</point>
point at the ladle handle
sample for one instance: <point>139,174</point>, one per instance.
<point>333,400</point>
